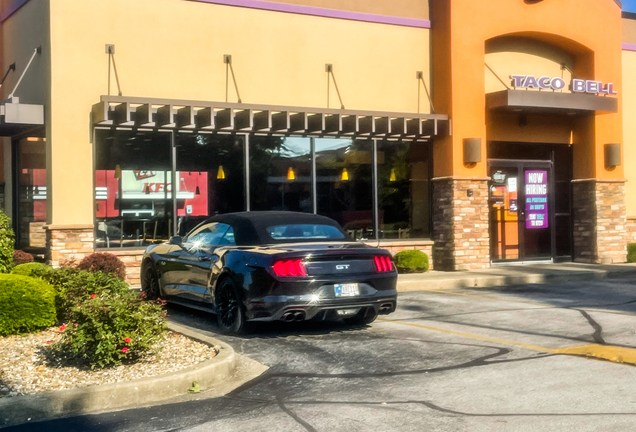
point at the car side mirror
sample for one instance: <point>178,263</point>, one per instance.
<point>176,240</point>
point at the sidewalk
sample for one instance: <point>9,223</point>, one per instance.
<point>515,275</point>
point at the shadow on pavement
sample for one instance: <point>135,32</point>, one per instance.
<point>257,330</point>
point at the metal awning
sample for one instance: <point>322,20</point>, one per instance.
<point>550,102</point>
<point>211,117</point>
<point>17,118</point>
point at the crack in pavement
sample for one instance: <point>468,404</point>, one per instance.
<point>454,412</point>
<point>598,329</point>
<point>294,416</point>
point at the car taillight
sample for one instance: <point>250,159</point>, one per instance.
<point>383,264</point>
<point>289,268</point>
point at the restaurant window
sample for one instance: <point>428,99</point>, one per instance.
<point>211,172</point>
<point>280,174</point>
<point>133,182</point>
<point>403,190</point>
<point>32,193</point>
<point>344,182</point>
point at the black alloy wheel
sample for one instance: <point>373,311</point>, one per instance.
<point>229,310</point>
<point>365,317</point>
<point>150,283</point>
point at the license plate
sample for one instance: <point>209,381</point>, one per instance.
<point>346,290</point>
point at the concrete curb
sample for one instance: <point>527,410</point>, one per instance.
<point>107,397</point>
<point>408,283</point>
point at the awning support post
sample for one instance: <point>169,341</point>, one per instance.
<point>37,51</point>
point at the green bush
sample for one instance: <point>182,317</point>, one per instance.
<point>74,286</point>
<point>26,304</point>
<point>631,252</point>
<point>411,261</point>
<point>32,269</point>
<point>7,239</point>
<point>104,262</point>
<point>111,329</point>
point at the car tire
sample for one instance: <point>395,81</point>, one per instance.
<point>150,283</point>
<point>230,314</point>
<point>365,317</point>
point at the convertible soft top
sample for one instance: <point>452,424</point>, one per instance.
<point>250,228</point>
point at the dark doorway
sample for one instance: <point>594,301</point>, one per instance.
<point>530,201</point>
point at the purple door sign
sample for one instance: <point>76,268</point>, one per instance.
<point>536,199</point>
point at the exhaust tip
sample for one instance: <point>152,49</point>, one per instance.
<point>386,308</point>
<point>293,316</point>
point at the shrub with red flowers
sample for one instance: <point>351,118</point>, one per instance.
<point>74,286</point>
<point>103,262</point>
<point>21,257</point>
<point>111,329</point>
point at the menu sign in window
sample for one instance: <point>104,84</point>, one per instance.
<point>536,199</point>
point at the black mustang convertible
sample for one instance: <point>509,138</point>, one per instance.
<point>268,266</point>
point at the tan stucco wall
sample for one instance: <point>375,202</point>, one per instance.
<point>629,30</point>
<point>521,56</point>
<point>400,8</point>
<point>174,49</point>
<point>629,129</point>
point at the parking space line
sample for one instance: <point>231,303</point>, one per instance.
<point>610,353</point>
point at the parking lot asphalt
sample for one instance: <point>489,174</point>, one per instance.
<point>522,358</point>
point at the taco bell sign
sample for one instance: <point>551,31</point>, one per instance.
<point>549,83</point>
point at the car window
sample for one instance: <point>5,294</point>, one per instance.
<point>207,235</point>
<point>305,232</point>
<point>228,238</point>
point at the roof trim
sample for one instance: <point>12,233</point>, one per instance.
<point>323,12</point>
<point>15,6</point>
<point>213,117</point>
<point>629,46</point>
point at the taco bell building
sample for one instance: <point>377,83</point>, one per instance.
<point>481,132</point>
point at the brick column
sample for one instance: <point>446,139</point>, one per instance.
<point>600,221</point>
<point>460,224</point>
<point>68,242</point>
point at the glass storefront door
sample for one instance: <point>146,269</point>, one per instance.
<point>521,204</point>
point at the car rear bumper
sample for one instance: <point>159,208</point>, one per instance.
<point>315,303</point>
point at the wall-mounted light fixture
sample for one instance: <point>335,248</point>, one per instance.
<point>612,155</point>
<point>472,151</point>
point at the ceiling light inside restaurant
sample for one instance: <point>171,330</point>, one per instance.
<point>117,171</point>
<point>392,176</point>
<point>220,175</point>
<point>345,175</point>
<point>291,175</point>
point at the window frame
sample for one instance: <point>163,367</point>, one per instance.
<point>246,138</point>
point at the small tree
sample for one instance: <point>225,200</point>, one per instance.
<point>7,241</point>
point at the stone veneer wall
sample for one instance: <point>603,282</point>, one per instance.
<point>600,221</point>
<point>631,229</point>
<point>460,224</point>
<point>68,242</point>
<point>65,243</point>
<point>37,234</point>
<point>132,260</point>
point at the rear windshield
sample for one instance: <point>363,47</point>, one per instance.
<point>305,232</point>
